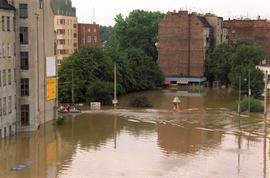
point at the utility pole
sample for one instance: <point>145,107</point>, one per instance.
<point>265,94</point>
<point>249,90</point>
<point>72,88</point>
<point>115,92</point>
<point>239,96</point>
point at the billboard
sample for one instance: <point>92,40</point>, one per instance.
<point>51,88</point>
<point>51,66</point>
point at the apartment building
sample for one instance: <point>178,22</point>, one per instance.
<point>183,45</point>
<point>35,44</point>
<point>88,35</point>
<point>66,29</point>
<point>220,33</point>
<point>251,31</point>
<point>7,70</point>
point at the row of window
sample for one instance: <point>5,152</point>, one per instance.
<point>63,32</point>
<point>7,50</point>
<point>65,21</point>
<point>6,77</point>
<point>6,23</point>
<point>6,105</point>
<point>90,39</point>
<point>64,42</point>
<point>89,30</point>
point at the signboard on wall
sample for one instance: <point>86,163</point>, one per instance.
<point>51,88</point>
<point>51,66</point>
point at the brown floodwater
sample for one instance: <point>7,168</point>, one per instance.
<point>205,139</point>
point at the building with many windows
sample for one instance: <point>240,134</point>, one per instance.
<point>35,44</point>
<point>7,70</point>
<point>88,35</point>
<point>66,29</point>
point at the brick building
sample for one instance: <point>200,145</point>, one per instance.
<point>88,34</point>
<point>251,31</point>
<point>183,44</point>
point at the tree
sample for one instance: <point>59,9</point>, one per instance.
<point>244,59</point>
<point>87,65</point>
<point>105,33</point>
<point>219,63</point>
<point>138,30</point>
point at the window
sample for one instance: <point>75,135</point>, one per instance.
<point>8,23</point>
<point>41,4</point>
<point>24,87</point>
<point>23,10</point>
<point>75,45</point>
<point>95,39</point>
<point>0,107</point>
<point>89,30</point>
<point>25,115</point>
<point>4,106</point>
<point>9,104</point>
<point>60,31</point>
<point>8,50</point>
<point>14,49</point>
<point>95,30</point>
<point>4,78</point>
<point>3,23</point>
<point>9,76</point>
<point>89,39</point>
<point>14,75</point>
<point>24,61</point>
<point>74,25</point>
<point>14,24</point>
<point>75,35</point>
<point>1,49</point>
<point>23,35</point>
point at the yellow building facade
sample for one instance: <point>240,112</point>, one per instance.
<point>66,30</point>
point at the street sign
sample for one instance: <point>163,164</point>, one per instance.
<point>114,101</point>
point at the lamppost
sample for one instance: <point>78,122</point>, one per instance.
<point>239,96</point>
<point>249,90</point>
<point>38,109</point>
<point>115,101</point>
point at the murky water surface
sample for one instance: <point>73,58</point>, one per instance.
<point>206,139</point>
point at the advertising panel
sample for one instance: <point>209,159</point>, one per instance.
<point>51,88</point>
<point>51,66</point>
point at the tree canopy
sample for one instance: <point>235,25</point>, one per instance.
<point>131,45</point>
<point>230,62</point>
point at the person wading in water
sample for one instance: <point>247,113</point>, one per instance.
<point>176,103</point>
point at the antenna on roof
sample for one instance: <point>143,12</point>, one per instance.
<point>94,16</point>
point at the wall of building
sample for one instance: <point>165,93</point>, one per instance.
<point>182,44</point>
<point>66,29</point>
<point>40,45</point>
<point>7,75</point>
<point>88,35</point>
<point>251,31</point>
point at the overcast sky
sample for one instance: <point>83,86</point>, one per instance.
<point>106,10</point>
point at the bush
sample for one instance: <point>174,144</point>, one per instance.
<point>100,92</point>
<point>60,120</point>
<point>255,105</point>
<point>140,101</point>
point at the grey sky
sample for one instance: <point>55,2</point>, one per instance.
<point>106,10</point>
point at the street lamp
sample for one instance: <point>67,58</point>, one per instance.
<point>239,96</point>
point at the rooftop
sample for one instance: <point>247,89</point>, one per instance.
<point>5,5</point>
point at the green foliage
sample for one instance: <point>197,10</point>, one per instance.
<point>138,30</point>
<point>229,62</point>
<point>60,120</point>
<point>219,64</point>
<point>100,92</point>
<point>140,101</point>
<point>88,65</point>
<point>131,45</point>
<point>105,33</point>
<point>255,105</point>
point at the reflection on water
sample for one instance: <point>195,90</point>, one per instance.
<point>205,139</point>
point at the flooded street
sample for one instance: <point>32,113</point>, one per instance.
<point>205,139</point>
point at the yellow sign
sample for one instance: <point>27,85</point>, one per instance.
<point>51,88</point>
